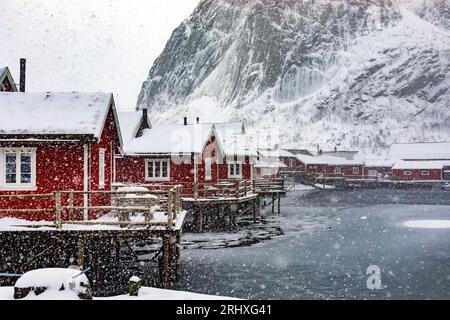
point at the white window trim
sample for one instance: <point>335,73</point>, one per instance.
<point>407,172</point>
<point>355,170</point>
<point>235,176</point>
<point>373,173</point>
<point>425,173</point>
<point>338,170</point>
<point>208,169</point>
<point>101,168</point>
<point>147,178</point>
<point>17,186</point>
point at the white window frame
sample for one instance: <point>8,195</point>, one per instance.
<point>208,169</point>
<point>407,173</point>
<point>337,170</point>
<point>355,170</point>
<point>18,186</point>
<point>234,164</point>
<point>153,178</point>
<point>101,168</point>
<point>425,173</point>
<point>372,173</point>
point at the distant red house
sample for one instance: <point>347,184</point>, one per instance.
<point>183,153</point>
<point>56,142</point>
<point>310,165</point>
<point>420,171</point>
<point>377,169</point>
<point>6,81</point>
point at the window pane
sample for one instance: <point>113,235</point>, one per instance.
<point>157,169</point>
<point>231,169</point>
<point>10,178</point>
<point>25,168</point>
<point>25,178</point>
<point>10,168</point>
<point>238,169</point>
<point>25,158</point>
<point>150,169</point>
<point>164,169</point>
<point>10,158</point>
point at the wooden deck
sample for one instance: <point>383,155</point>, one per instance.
<point>91,236</point>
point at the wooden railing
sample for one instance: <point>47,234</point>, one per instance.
<point>221,189</point>
<point>269,185</point>
<point>72,207</point>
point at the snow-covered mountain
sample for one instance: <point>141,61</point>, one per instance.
<point>352,73</point>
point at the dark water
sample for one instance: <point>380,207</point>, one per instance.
<point>321,246</point>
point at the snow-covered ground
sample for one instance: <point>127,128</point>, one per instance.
<point>145,293</point>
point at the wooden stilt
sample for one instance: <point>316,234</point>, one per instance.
<point>200,219</point>
<point>80,254</point>
<point>165,275</point>
<point>254,210</point>
<point>273,204</point>
<point>279,206</point>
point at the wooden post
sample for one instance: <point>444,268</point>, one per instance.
<point>279,209</point>
<point>165,262</point>
<point>169,209</point>
<point>58,209</point>
<point>71,204</point>
<point>273,203</point>
<point>254,210</point>
<point>196,190</point>
<point>200,219</point>
<point>80,254</point>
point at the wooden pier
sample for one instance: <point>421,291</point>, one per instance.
<point>83,235</point>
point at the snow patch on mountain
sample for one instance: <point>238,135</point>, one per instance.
<point>356,74</point>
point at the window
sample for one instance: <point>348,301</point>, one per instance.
<point>157,170</point>
<point>18,168</point>
<point>337,170</point>
<point>373,173</point>
<point>425,173</point>
<point>355,170</point>
<point>235,170</point>
<point>291,163</point>
<point>101,168</point>
<point>407,173</point>
<point>208,169</point>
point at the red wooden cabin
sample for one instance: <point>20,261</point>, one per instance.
<point>340,168</point>
<point>181,153</point>
<point>313,166</point>
<point>56,142</point>
<point>420,171</point>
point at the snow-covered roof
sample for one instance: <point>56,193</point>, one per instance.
<point>337,161</point>
<point>310,159</point>
<point>238,145</point>
<point>404,165</point>
<point>170,139</point>
<point>420,151</point>
<point>54,113</point>
<point>233,139</point>
<point>286,154</point>
<point>379,163</point>
<point>2,70</point>
<point>129,124</point>
<point>269,164</point>
<point>328,160</point>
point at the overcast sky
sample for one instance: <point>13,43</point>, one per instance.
<point>88,45</point>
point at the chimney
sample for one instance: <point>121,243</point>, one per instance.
<point>198,120</point>
<point>185,121</point>
<point>320,152</point>
<point>335,149</point>
<point>23,70</point>
<point>145,122</point>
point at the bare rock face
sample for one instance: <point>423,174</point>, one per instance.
<point>355,73</point>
